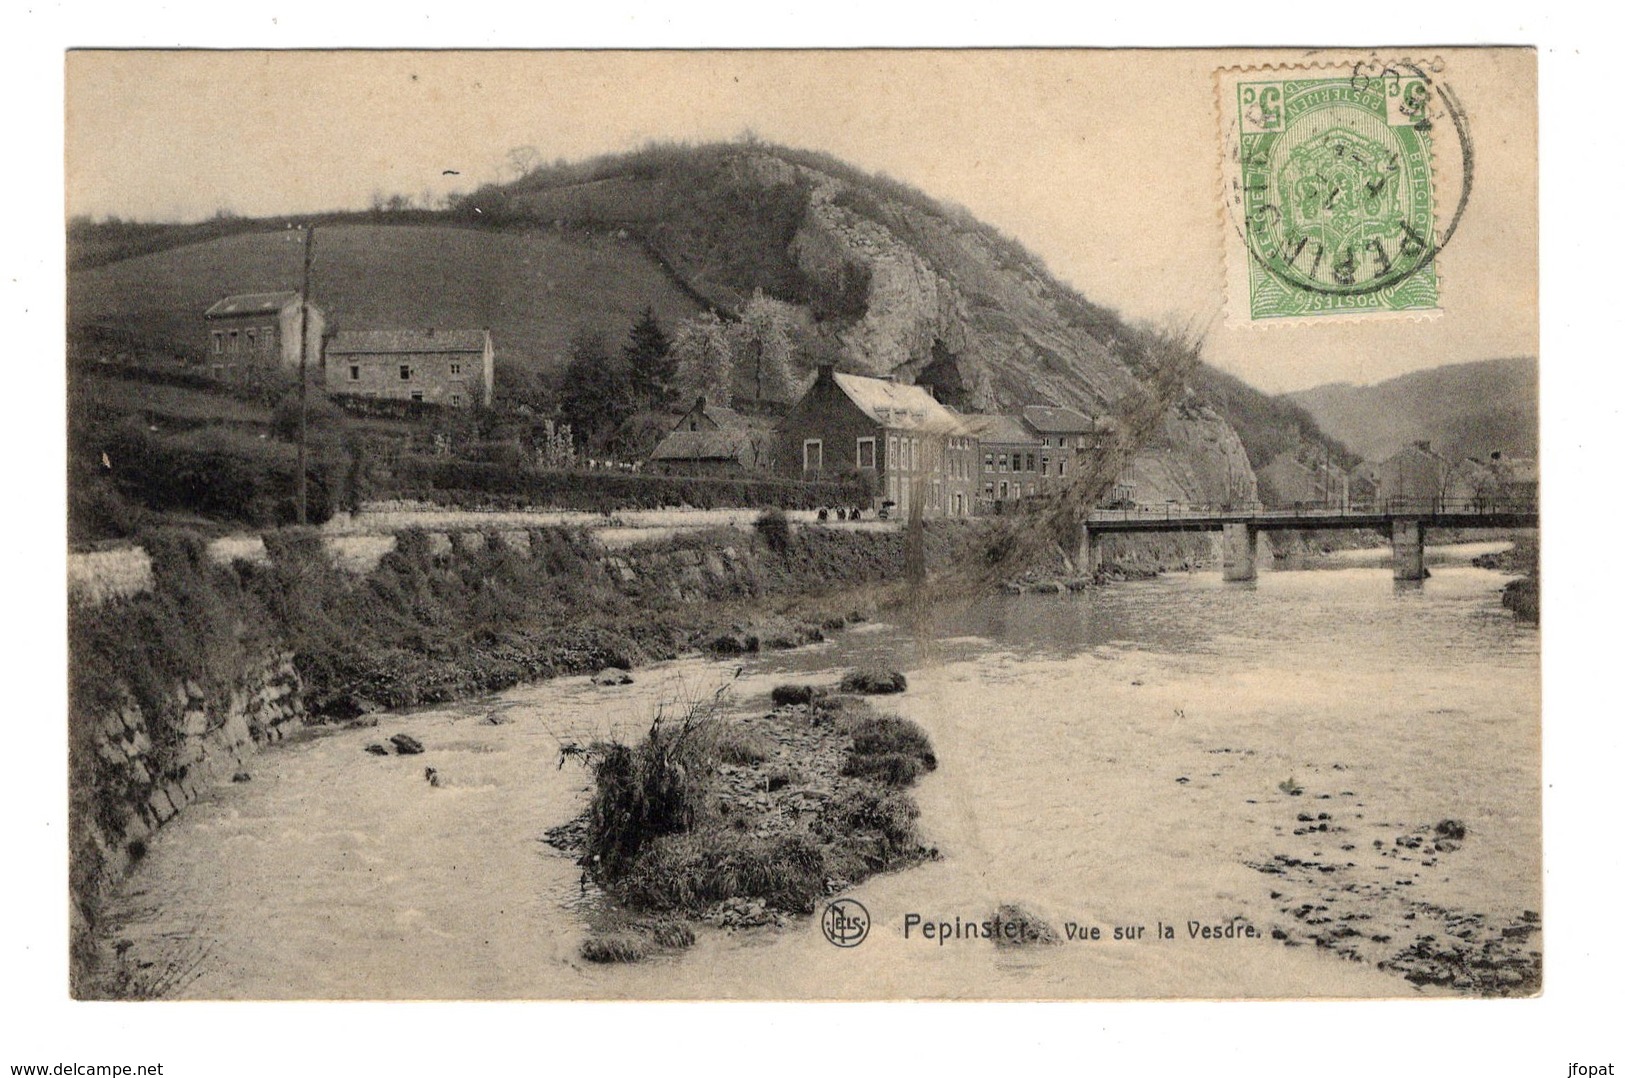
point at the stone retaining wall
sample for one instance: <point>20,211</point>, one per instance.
<point>141,784</point>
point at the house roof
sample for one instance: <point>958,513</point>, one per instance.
<point>1415,449</point>
<point>251,303</point>
<point>1047,420</point>
<point>401,341</point>
<point>893,404</point>
<point>726,418</point>
<point>700,445</point>
<point>999,429</point>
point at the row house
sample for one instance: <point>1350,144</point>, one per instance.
<point>1295,483</point>
<point>260,331</point>
<point>916,453</point>
<point>447,366</point>
<point>1010,454</point>
<point>1066,437</point>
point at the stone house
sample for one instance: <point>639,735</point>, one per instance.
<point>1495,479</point>
<point>1414,474</point>
<point>1293,482</point>
<point>914,451</point>
<point>1066,438</point>
<point>436,366</point>
<point>711,440</point>
<point>1009,454</point>
<point>260,330</point>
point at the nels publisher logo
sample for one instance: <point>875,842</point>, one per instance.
<point>845,922</point>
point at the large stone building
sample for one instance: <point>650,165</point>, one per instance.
<point>1009,452</point>
<point>260,331</point>
<point>1066,438</point>
<point>1415,474</point>
<point>1290,481</point>
<point>435,366</point>
<point>915,452</point>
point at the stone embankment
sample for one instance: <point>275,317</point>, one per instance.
<point>142,774</point>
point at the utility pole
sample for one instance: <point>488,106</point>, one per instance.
<point>304,380</point>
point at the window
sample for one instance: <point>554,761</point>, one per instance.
<point>406,372</point>
<point>1063,441</point>
<point>231,343</point>
<point>892,461</point>
<point>1004,462</point>
<point>1060,468</point>
<point>1043,465</point>
<point>253,341</point>
<point>866,452</point>
<point>1030,467</point>
<point>1046,443</point>
<point>457,368</point>
<point>456,400</point>
<point>219,342</point>
<point>1004,489</point>
<point>417,394</point>
<point>907,463</point>
<point>355,372</point>
<point>812,455</point>
<point>987,462</point>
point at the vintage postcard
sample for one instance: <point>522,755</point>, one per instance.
<point>803,525</point>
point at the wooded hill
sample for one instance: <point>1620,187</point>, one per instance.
<point>864,271</point>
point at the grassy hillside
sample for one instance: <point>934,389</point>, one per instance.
<point>866,271</point>
<point>533,289</point>
<point>1465,409</point>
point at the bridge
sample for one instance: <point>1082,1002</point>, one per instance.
<point>1404,520</point>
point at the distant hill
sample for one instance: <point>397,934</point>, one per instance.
<point>1465,410</point>
<point>877,276</point>
<point>532,289</point>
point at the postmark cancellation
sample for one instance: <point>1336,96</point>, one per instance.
<point>1331,188</point>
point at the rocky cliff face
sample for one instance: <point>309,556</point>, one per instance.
<point>952,306</point>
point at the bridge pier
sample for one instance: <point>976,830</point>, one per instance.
<point>1407,540</point>
<point>1089,553</point>
<point>1240,545</point>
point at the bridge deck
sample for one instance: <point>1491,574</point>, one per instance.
<point>1377,516</point>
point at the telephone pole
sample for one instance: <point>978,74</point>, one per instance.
<point>304,379</point>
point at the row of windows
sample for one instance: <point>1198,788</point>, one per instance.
<point>906,455</point>
<point>235,342</point>
<point>1007,491</point>
<point>407,371</point>
<point>1021,462</point>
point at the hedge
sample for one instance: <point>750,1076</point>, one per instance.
<point>224,478</point>
<point>471,484</point>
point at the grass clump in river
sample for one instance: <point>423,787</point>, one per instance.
<point>710,817</point>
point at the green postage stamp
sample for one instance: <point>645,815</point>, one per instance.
<point>1329,182</point>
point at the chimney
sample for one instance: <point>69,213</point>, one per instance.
<point>699,403</point>
<point>826,372</point>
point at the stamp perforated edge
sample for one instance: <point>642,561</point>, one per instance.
<point>1235,256</point>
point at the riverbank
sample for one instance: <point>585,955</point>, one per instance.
<point>157,675</point>
<point>1082,775</point>
<point>1521,596</point>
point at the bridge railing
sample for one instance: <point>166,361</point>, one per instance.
<point>1250,511</point>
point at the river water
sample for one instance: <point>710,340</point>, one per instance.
<point>1115,760</point>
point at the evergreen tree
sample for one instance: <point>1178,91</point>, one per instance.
<point>649,361</point>
<point>595,393</point>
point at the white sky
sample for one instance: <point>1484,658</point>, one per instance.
<point>1105,164</point>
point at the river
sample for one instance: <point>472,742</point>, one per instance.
<point>1119,759</point>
